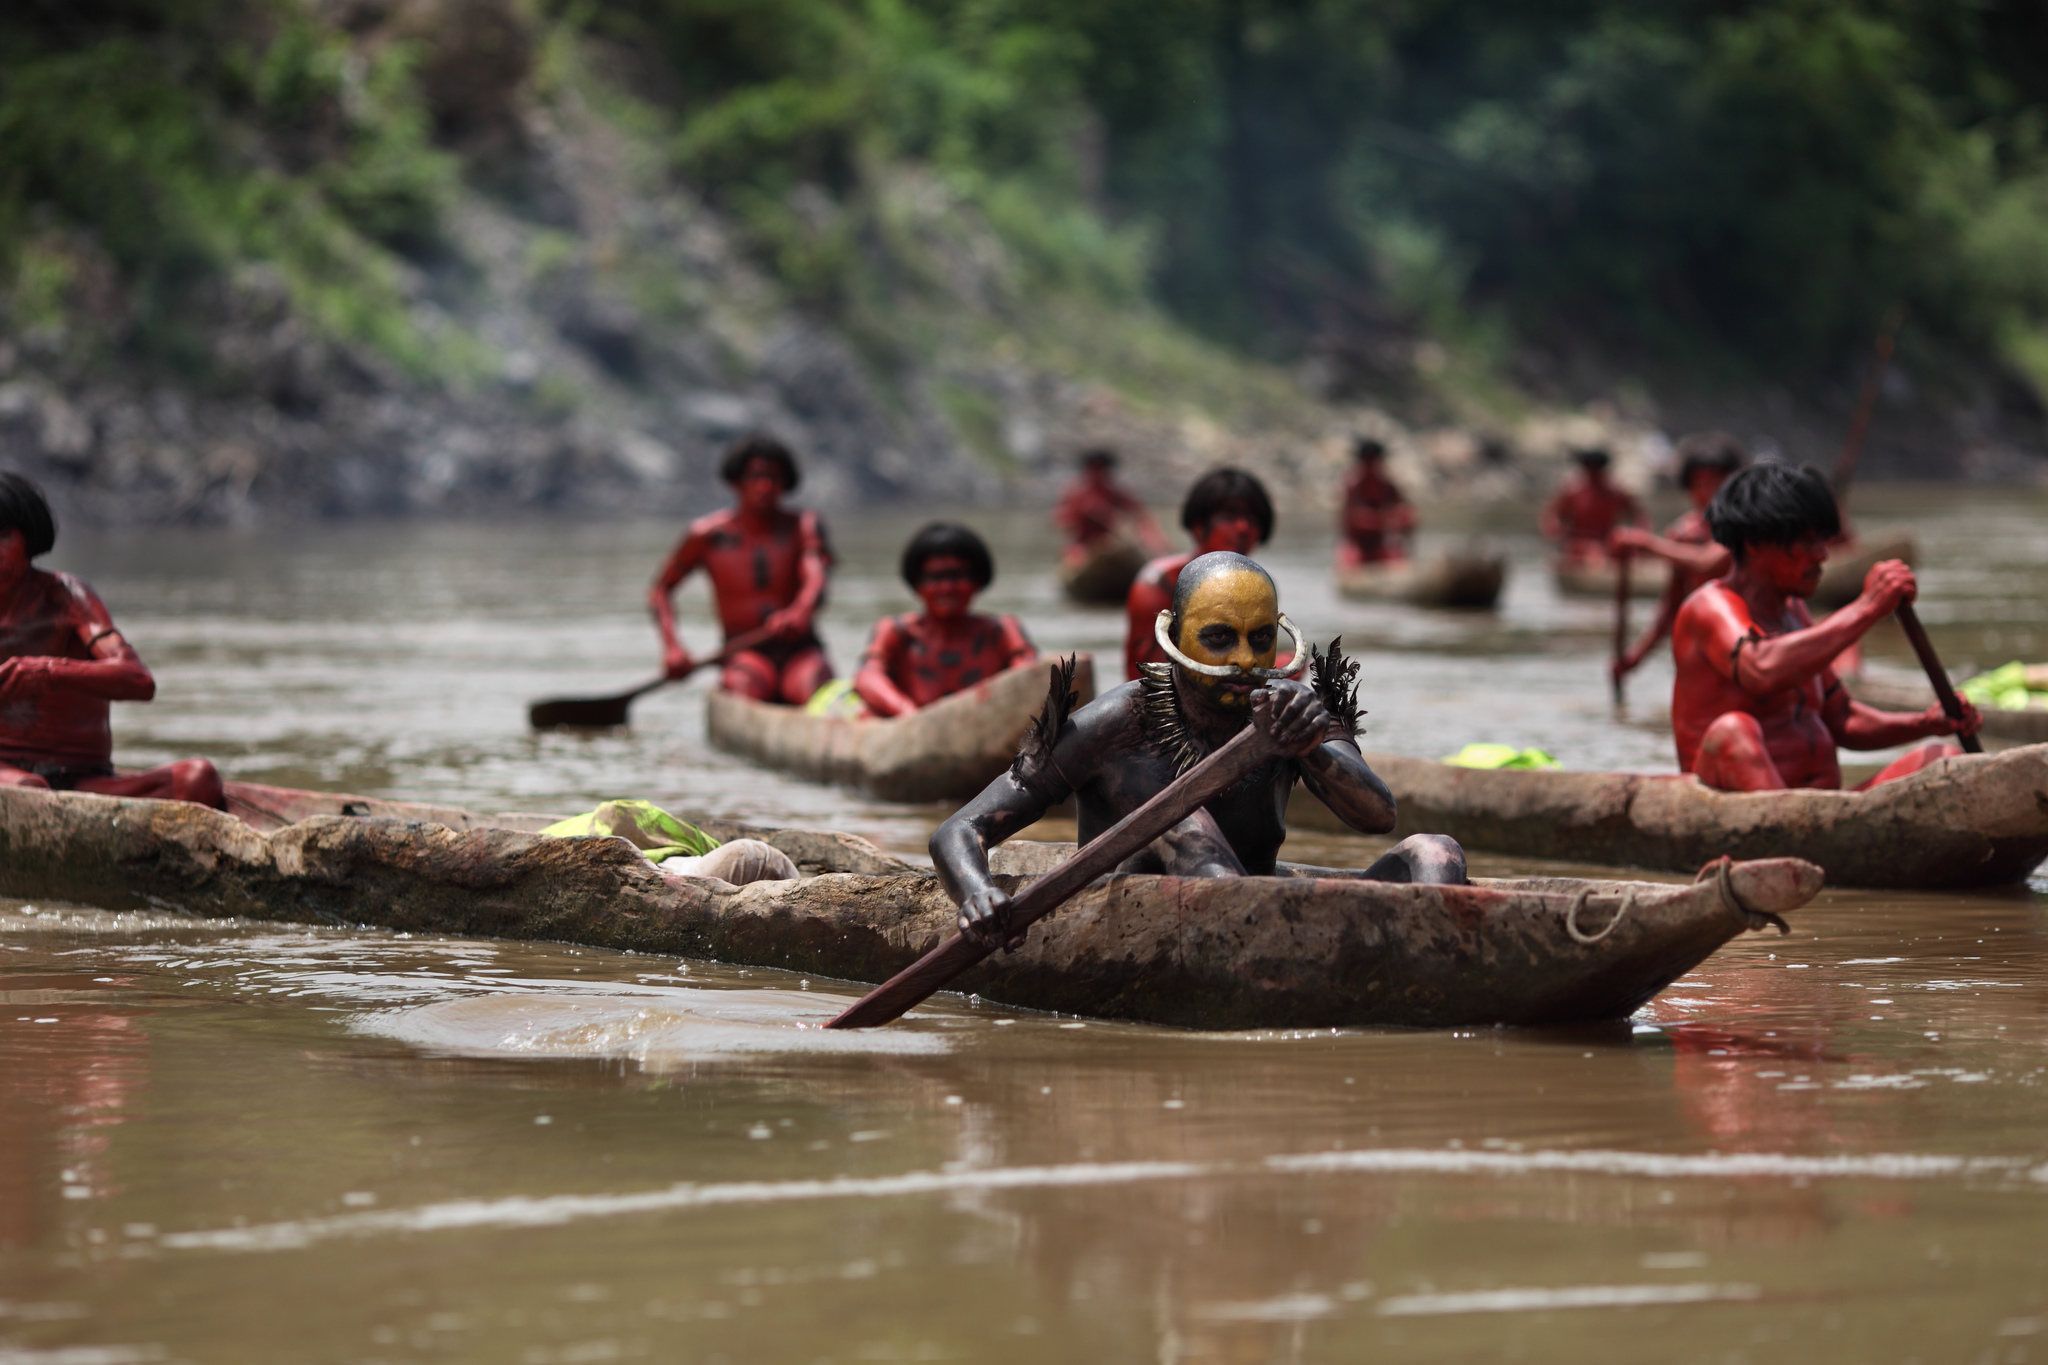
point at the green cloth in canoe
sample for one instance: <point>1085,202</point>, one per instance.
<point>2003,689</point>
<point>836,698</point>
<point>1499,756</point>
<point>643,824</point>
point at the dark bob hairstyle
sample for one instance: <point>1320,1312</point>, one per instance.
<point>948,538</point>
<point>1709,450</point>
<point>1098,457</point>
<point>1772,504</point>
<point>758,446</point>
<point>1219,488</point>
<point>24,509</point>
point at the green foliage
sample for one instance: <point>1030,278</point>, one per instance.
<point>200,136</point>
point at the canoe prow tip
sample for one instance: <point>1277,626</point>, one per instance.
<point>1773,885</point>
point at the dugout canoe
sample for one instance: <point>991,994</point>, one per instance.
<point>1104,576</point>
<point>1451,579</point>
<point>1312,949</point>
<point>1841,579</point>
<point>1647,576</point>
<point>1889,692</point>
<point>1976,820</point>
<point>948,751</point>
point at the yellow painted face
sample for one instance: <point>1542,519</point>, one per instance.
<point>1234,619</point>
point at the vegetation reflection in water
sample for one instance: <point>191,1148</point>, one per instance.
<point>258,1142</point>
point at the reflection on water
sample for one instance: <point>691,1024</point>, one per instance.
<point>228,1142</point>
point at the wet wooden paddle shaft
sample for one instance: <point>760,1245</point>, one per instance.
<point>1620,620</point>
<point>599,713</point>
<point>1182,797</point>
<point>1936,674</point>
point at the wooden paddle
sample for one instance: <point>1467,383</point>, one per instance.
<point>1936,674</point>
<point>601,713</point>
<point>1182,797</point>
<point>1620,622</point>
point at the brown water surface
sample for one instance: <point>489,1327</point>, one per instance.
<point>239,1142</point>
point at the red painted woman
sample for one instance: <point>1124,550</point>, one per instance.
<point>920,657</point>
<point>62,661</point>
<point>1227,509</point>
<point>1706,459</point>
<point>1095,507</point>
<point>1585,512</point>
<point>1756,705</point>
<point>768,566</point>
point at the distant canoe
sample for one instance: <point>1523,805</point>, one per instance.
<point>1446,580</point>
<point>1105,576</point>
<point>947,752</point>
<point>1311,948</point>
<point>1890,693</point>
<point>1974,820</point>
<point>1647,576</point>
<point>1841,581</point>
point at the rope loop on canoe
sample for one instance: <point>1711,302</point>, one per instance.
<point>1756,920</point>
<point>1571,916</point>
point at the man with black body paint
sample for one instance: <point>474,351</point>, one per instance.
<point>1122,749</point>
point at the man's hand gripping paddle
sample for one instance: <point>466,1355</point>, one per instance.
<point>1936,674</point>
<point>601,713</point>
<point>1182,797</point>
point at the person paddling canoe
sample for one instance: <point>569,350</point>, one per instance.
<point>1227,509</point>
<point>1587,510</point>
<point>1221,635</point>
<point>1756,705</point>
<point>1706,459</point>
<point>919,657</point>
<point>1377,518</point>
<point>62,661</point>
<point>1095,507</point>
<point>768,567</point>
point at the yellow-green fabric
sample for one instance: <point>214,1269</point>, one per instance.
<point>2004,689</point>
<point>836,698</point>
<point>643,824</point>
<point>1499,756</point>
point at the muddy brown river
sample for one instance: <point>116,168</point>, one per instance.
<point>230,1142</point>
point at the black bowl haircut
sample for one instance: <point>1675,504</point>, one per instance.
<point>1709,450</point>
<point>1772,504</point>
<point>1220,487</point>
<point>758,446</point>
<point>23,508</point>
<point>1200,570</point>
<point>1369,447</point>
<point>1593,458</point>
<point>1100,456</point>
<point>948,538</point>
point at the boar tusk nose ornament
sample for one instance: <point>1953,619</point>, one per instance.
<point>1292,670</point>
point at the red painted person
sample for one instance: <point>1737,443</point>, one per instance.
<point>920,657</point>
<point>1377,520</point>
<point>767,566</point>
<point>1227,509</point>
<point>1705,462</point>
<point>1756,705</point>
<point>62,661</point>
<point>1095,507</point>
<point>1585,512</point>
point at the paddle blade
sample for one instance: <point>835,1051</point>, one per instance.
<point>580,713</point>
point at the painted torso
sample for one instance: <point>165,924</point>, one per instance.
<point>753,574</point>
<point>1090,512</point>
<point>54,615</point>
<point>927,662</point>
<point>1367,490</point>
<point>1713,625</point>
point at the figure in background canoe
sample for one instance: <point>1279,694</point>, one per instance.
<point>915,659</point>
<point>1377,520</point>
<point>1095,507</point>
<point>62,661</point>
<point>1221,635</point>
<point>1705,460</point>
<point>1756,705</point>
<point>1227,509</point>
<point>1585,512</point>
<point>767,566</point>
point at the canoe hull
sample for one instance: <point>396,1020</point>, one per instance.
<point>1246,953</point>
<point>1464,581</point>
<point>1646,578</point>
<point>1104,577</point>
<point>1973,821</point>
<point>948,751</point>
